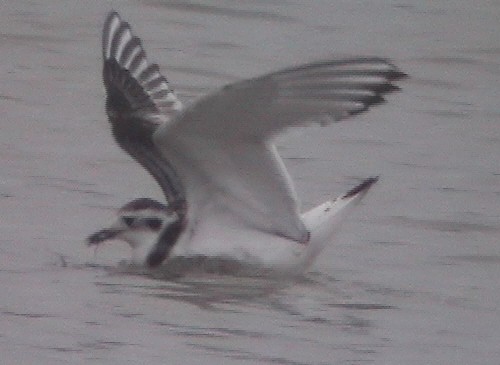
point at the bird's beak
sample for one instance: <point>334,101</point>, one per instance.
<point>102,235</point>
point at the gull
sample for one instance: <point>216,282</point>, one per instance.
<point>227,191</point>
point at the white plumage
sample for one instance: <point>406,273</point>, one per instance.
<point>215,160</point>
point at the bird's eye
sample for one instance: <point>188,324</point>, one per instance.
<point>153,223</point>
<point>129,221</point>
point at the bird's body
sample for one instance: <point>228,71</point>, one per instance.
<point>222,234</point>
<point>228,192</point>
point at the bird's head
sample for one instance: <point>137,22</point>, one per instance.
<point>139,223</point>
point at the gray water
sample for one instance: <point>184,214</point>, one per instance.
<point>412,278</point>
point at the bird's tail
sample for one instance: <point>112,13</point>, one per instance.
<point>323,220</point>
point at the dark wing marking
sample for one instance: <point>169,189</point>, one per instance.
<point>138,101</point>
<point>120,45</point>
<point>349,85</point>
<point>264,106</point>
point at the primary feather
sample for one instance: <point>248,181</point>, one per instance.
<point>215,160</point>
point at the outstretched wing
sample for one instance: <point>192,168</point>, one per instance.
<point>264,106</point>
<point>149,87</point>
<point>223,143</point>
<point>138,100</point>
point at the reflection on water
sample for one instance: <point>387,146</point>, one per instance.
<point>226,285</point>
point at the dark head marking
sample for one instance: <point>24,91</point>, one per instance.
<point>129,221</point>
<point>153,223</point>
<point>144,203</point>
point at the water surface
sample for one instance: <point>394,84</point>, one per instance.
<point>411,279</point>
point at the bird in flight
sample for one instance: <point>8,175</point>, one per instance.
<point>227,191</point>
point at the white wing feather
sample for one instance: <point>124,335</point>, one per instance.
<point>222,146</point>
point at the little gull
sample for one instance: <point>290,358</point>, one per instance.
<point>227,191</point>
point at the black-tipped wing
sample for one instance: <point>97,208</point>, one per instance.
<point>221,147</point>
<point>338,88</point>
<point>264,106</point>
<point>138,101</point>
<point>226,137</point>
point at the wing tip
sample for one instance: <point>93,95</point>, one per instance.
<point>361,188</point>
<point>127,68</point>
<point>397,74</point>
